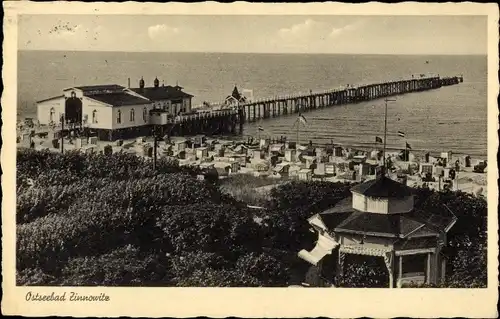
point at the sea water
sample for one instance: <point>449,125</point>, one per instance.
<point>449,118</point>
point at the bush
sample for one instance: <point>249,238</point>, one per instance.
<point>113,220</point>
<point>364,272</point>
<point>124,266</point>
<point>311,196</point>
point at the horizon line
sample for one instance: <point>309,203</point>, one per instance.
<point>276,53</point>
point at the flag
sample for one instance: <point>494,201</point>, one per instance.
<point>402,134</point>
<point>408,146</point>
<point>378,140</point>
<point>261,128</point>
<point>302,119</point>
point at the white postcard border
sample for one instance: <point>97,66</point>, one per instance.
<point>247,302</point>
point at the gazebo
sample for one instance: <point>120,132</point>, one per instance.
<point>235,98</point>
<point>379,220</point>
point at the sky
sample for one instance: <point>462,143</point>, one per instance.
<point>256,34</point>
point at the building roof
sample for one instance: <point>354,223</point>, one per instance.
<point>236,95</point>
<point>343,218</point>
<point>161,93</point>
<point>423,231</point>
<point>119,99</point>
<point>391,225</point>
<point>382,187</point>
<point>104,87</point>
<point>421,243</point>
<point>50,98</point>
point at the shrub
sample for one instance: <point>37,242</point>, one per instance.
<point>311,196</point>
<point>124,266</point>
<point>113,220</point>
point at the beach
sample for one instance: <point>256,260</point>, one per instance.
<point>466,179</point>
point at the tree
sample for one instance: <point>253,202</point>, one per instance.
<point>125,266</point>
<point>290,207</point>
<point>267,269</point>
<point>220,228</point>
<point>470,267</point>
<point>364,272</point>
<point>312,196</point>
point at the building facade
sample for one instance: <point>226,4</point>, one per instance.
<point>113,111</point>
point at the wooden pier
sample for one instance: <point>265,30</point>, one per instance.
<point>278,106</point>
<point>228,120</point>
<point>209,123</point>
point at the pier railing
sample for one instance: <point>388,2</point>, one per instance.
<point>225,119</point>
<point>197,115</point>
<point>295,103</point>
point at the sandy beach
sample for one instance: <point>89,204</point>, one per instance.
<point>466,181</point>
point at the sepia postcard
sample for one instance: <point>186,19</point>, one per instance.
<point>250,160</point>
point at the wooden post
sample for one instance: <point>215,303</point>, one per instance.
<point>400,271</point>
<point>428,269</point>
<point>391,279</point>
<point>62,134</point>
<point>443,270</point>
<point>154,147</point>
<point>389,263</point>
<point>339,274</point>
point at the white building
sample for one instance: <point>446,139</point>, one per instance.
<point>170,99</point>
<point>113,111</point>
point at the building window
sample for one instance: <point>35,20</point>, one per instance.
<point>52,113</point>
<point>94,116</point>
<point>132,115</point>
<point>119,117</point>
<point>145,114</point>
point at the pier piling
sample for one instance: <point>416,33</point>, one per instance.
<point>227,120</point>
<point>283,105</point>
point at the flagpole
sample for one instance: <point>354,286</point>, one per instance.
<point>385,132</point>
<point>407,156</point>
<point>298,127</point>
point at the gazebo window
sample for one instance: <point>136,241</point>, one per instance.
<point>132,115</point>
<point>145,114</point>
<point>94,116</point>
<point>52,113</point>
<point>119,117</point>
<point>414,264</point>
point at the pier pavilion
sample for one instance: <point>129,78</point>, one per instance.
<point>379,220</point>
